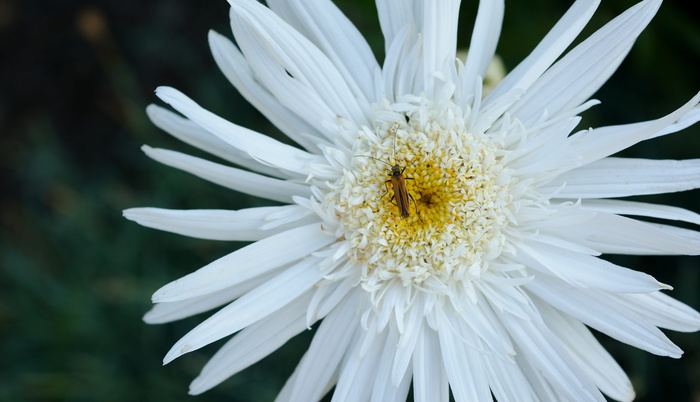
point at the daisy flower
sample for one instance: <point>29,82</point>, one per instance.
<point>436,236</point>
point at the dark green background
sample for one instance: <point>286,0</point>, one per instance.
<point>75,77</point>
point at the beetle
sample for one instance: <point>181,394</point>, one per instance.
<point>398,185</point>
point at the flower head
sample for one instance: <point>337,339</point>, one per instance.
<point>441,236</point>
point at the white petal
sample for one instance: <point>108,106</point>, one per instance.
<point>585,271</point>
<point>272,47</point>
<point>236,68</point>
<point>597,363</point>
<point>482,46</point>
<point>407,343</point>
<point>592,145</point>
<point>479,318</point>
<point>294,95</point>
<point>214,224</point>
<point>395,15</point>
<point>328,28</point>
<point>430,382</point>
<point>252,344</point>
<point>230,177</point>
<point>509,299</point>
<point>548,50</point>
<point>507,381</point>
<point>383,390</point>
<point>614,234</point>
<point>563,244</point>
<point>462,365</point>
<point>536,379</point>
<point>321,360</point>
<point>685,121</point>
<point>600,311</point>
<point>172,311</point>
<point>439,31</point>
<point>251,307</point>
<point>548,356</point>
<point>533,158</point>
<point>663,311</point>
<point>401,64</point>
<point>327,298</point>
<point>621,207</point>
<point>359,369</point>
<point>569,215</point>
<point>258,146</point>
<point>623,177</point>
<point>574,78</point>
<point>248,262</point>
<point>191,133</point>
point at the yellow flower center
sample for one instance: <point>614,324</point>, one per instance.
<point>424,198</point>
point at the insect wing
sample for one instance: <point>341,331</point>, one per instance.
<point>398,184</point>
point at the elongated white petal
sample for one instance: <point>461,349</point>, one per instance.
<point>539,383</point>
<point>395,15</point>
<point>258,146</point>
<point>236,68</point>
<point>463,366</point>
<point>407,344</point>
<point>296,96</point>
<point>592,145</point>
<point>191,133</point>
<point>663,311</point>
<point>548,50</point>
<point>480,319</point>
<point>623,177</point>
<point>685,121</point>
<point>246,263</point>
<point>401,64</point>
<point>621,207</point>
<point>172,311</point>
<point>383,390</point>
<point>585,271</point>
<point>482,46</point>
<point>252,344</point>
<point>331,31</point>
<point>569,215</point>
<point>574,78</point>
<point>327,298</point>
<point>214,224</point>
<point>598,310</point>
<point>359,369</point>
<point>439,32</point>
<point>230,177</point>
<point>250,308</point>
<point>265,38</point>
<point>505,299</point>
<point>609,233</point>
<point>430,383</point>
<point>562,244</point>
<point>324,355</point>
<point>532,158</point>
<point>547,355</point>
<point>507,381</point>
<point>596,362</point>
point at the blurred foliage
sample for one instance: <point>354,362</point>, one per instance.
<point>75,77</point>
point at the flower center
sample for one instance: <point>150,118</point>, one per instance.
<point>424,198</point>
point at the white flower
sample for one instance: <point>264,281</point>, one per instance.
<point>486,276</point>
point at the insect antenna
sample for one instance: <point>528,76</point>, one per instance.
<point>376,159</point>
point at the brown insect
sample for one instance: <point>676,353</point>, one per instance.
<point>398,185</point>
